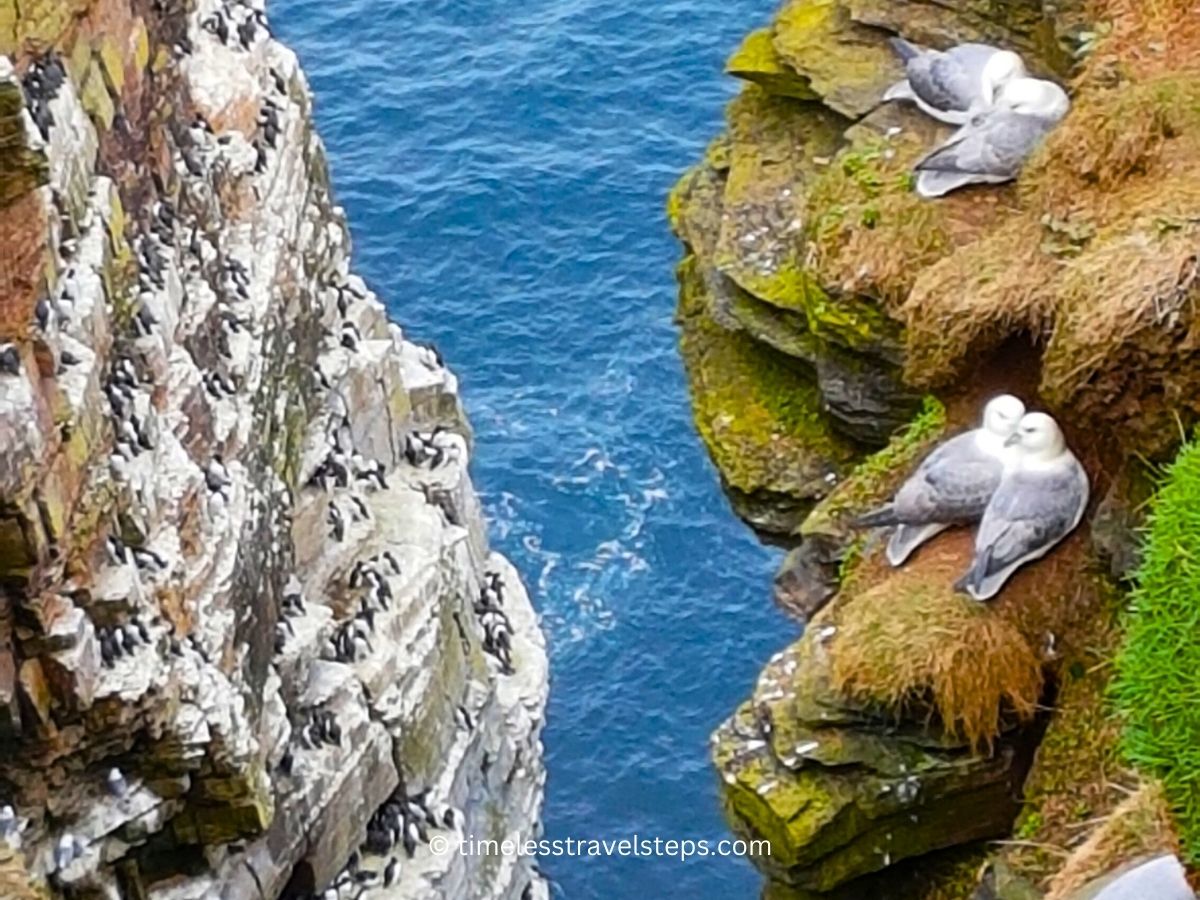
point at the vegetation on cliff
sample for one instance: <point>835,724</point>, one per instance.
<point>1075,287</point>
<point>1155,685</point>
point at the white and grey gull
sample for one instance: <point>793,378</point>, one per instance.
<point>952,485</point>
<point>1040,500</point>
<point>951,85</point>
<point>993,146</point>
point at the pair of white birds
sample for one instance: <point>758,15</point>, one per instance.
<point>1014,475</point>
<point>1002,111</point>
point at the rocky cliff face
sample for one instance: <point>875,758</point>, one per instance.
<point>835,326</point>
<point>223,575</point>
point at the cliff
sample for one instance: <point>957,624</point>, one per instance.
<point>223,575</point>
<point>835,326</point>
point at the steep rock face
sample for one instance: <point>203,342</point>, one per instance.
<point>1074,288</point>
<point>804,207</point>
<point>203,419</point>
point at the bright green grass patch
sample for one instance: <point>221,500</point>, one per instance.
<point>1157,684</point>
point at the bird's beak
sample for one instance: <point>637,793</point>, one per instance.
<point>1012,440</point>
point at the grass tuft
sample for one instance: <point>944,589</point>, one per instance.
<point>911,644</point>
<point>1156,689</point>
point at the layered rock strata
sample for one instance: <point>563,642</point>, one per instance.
<point>227,574</point>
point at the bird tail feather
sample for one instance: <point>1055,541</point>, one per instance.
<point>904,49</point>
<point>876,518</point>
<point>907,538</point>
<point>901,90</point>
<point>973,580</point>
<point>933,183</point>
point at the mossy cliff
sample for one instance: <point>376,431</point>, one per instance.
<point>906,720</point>
<point>185,347</point>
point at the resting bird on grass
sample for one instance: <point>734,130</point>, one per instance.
<point>1040,500</point>
<point>1162,878</point>
<point>992,147</point>
<point>953,483</point>
<point>950,85</point>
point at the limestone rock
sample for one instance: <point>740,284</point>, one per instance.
<point>203,448</point>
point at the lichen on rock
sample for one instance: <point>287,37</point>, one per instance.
<point>1073,288</point>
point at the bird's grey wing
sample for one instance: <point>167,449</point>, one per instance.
<point>954,482</point>
<point>1162,878</point>
<point>1030,511</point>
<point>973,56</point>
<point>994,144</point>
<point>963,490</point>
<point>942,81</point>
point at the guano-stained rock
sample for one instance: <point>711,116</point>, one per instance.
<point>203,444</point>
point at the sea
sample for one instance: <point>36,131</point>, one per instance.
<point>504,165</point>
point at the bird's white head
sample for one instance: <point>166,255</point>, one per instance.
<point>1002,67</point>
<point>1039,438</point>
<point>1034,97</point>
<point>1002,415</point>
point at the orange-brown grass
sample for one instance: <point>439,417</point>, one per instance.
<point>909,644</point>
<point>1148,36</point>
<point>1139,826</point>
<point>1125,316</point>
<point>974,299</point>
<point>1113,134</point>
<point>882,260</point>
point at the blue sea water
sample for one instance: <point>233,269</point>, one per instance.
<point>504,167</point>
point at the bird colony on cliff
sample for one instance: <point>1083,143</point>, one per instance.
<point>1014,475</point>
<point>1003,113</point>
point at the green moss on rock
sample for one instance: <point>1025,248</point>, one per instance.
<point>773,144</point>
<point>757,61</point>
<point>21,169</point>
<point>846,63</point>
<point>758,413</point>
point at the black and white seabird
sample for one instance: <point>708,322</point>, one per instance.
<point>390,871</point>
<point>116,783</point>
<point>10,360</point>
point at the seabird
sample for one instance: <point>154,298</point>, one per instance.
<point>390,871</point>
<point>117,786</point>
<point>360,508</point>
<point>65,851</point>
<point>145,558</point>
<point>1162,878</point>
<point>216,476</point>
<point>950,85</point>
<point>108,653</point>
<point>992,147</point>
<point>118,553</point>
<point>1041,498</point>
<point>337,524</point>
<point>44,314</point>
<point>952,484</point>
<point>10,360</point>
<point>462,718</point>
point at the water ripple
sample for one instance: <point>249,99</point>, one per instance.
<point>504,167</point>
